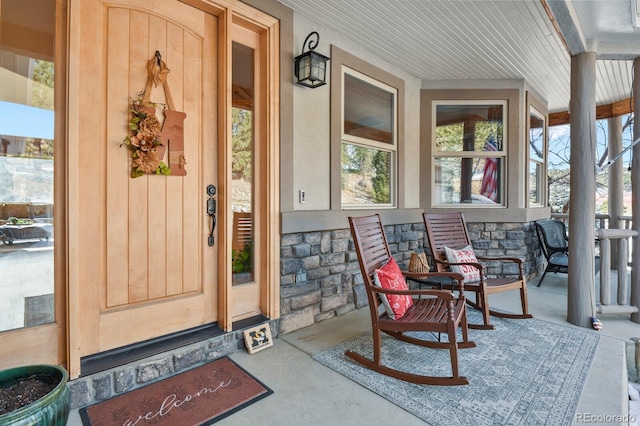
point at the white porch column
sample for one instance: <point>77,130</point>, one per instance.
<point>581,281</point>
<point>616,182</point>
<point>635,198</point>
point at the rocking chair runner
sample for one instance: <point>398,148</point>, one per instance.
<point>439,312</point>
<point>450,230</point>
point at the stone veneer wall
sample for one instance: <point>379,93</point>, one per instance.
<point>320,277</point>
<point>507,239</point>
<point>116,381</point>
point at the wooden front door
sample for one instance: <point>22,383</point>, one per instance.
<point>141,259</point>
<point>153,271</point>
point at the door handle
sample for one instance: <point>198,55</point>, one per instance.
<point>211,211</point>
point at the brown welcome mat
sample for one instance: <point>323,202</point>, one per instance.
<point>201,396</point>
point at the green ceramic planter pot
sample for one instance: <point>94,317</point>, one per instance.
<point>50,410</point>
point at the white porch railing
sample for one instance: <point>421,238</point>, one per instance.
<point>605,236</point>
<point>602,220</point>
<point>623,236</point>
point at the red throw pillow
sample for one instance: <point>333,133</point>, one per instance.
<point>466,255</point>
<point>390,277</point>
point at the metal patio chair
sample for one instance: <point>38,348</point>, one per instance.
<point>554,242</point>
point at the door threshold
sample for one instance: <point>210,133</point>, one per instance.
<point>119,356</point>
<point>249,322</point>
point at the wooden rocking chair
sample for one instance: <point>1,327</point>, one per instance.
<point>450,230</point>
<point>438,312</point>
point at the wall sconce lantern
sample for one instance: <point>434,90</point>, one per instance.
<point>310,66</point>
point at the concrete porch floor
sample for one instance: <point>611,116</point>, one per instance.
<point>306,392</point>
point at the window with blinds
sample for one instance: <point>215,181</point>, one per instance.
<point>369,141</point>
<point>369,110</point>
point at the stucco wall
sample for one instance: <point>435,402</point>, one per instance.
<point>311,123</point>
<point>319,274</point>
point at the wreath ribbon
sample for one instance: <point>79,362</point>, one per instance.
<point>172,133</point>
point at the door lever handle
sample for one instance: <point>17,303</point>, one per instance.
<point>211,211</point>
<point>213,226</point>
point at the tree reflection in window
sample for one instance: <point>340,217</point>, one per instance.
<point>469,157</point>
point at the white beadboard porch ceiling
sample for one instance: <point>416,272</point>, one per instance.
<point>488,39</point>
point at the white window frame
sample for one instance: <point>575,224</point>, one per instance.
<point>392,147</point>
<point>503,154</point>
<point>542,179</point>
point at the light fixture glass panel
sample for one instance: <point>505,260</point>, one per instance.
<point>304,68</point>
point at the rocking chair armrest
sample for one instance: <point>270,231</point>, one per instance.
<point>504,259</point>
<point>440,294</point>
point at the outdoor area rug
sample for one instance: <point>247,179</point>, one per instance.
<point>201,396</point>
<point>524,372</point>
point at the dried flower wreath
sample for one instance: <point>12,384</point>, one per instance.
<point>143,139</point>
